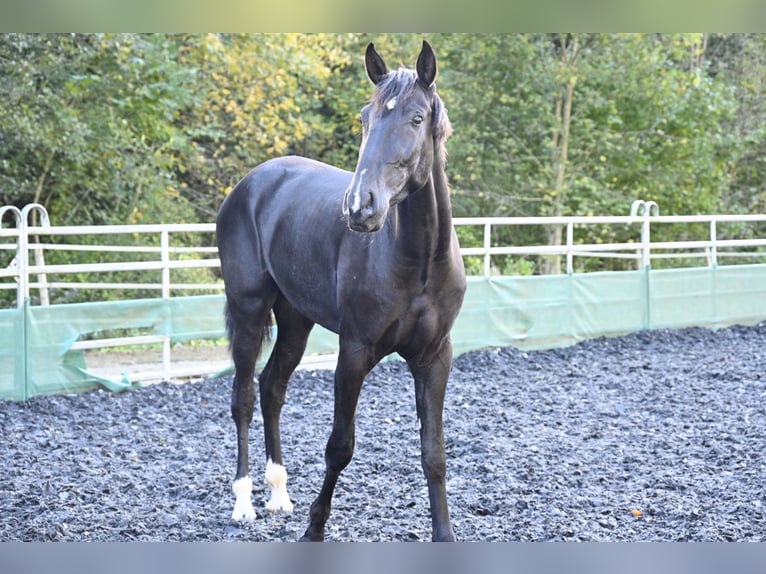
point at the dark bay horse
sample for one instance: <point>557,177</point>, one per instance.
<point>371,255</point>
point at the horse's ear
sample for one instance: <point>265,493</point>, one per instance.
<point>426,65</point>
<point>376,67</point>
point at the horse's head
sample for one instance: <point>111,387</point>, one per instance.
<point>403,126</point>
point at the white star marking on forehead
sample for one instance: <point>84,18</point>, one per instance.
<point>391,104</point>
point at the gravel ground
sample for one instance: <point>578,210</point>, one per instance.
<point>655,436</point>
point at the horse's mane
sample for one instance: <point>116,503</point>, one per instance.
<point>400,84</point>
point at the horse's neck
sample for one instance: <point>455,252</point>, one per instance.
<point>425,220</point>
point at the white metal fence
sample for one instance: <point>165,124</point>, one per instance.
<point>34,276</point>
<point>643,250</point>
<point>26,246</point>
<point>25,274</point>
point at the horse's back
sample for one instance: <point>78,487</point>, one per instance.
<point>282,197</point>
<point>292,178</point>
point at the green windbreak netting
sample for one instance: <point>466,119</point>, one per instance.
<point>548,311</point>
<point>12,355</point>
<point>527,312</point>
<point>708,297</point>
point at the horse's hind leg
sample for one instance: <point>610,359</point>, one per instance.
<point>247,322</point>
<point>292,333</point>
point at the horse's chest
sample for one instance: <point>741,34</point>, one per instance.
<point>422,326</point>
<point>429,314</point>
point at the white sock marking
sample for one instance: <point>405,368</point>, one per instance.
<point>243,506</point>
<point>276,478</point>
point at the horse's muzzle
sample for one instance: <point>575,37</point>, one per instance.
<point>364,213</point>
<point>365,224</point>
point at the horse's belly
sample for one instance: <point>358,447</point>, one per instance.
<point>309,288</point>
<point>322,310</point>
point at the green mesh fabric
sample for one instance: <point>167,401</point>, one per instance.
<point>526,312</point>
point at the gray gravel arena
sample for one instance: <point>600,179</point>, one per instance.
<point>655,436</point>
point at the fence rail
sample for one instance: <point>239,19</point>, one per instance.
<point>25,274</point>
<point>25,269</point>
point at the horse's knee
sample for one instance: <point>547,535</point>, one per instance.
<point>339,452</point>
<point>434,463</point>
<point>241,408</point>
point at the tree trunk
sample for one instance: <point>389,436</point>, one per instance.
<point>560,148</point>
<point>698,50</point>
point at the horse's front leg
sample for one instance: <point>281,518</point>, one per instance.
<point>349,375</point>
<point>430,386</point>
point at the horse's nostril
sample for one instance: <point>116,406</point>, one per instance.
<point>369,204</point>
<point>362,203</point>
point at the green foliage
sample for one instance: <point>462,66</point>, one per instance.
<point>90,129</point>
<point>648,121</point>
<point>129,128</point>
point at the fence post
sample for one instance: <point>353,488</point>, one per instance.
<point>22,255</point>
<point>10,209</point>
<point>570,246</point>
<point>645,209</point>
<point>17,218</point>
<point>22,263</point>
<point>165,256</point>
<point>646,242</point>
<point>42,278</point>
<point>713,258</point>
<point>487,247</point>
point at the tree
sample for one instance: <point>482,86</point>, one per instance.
<point>739,61</point>
<point>89,130</point>
<point>127,128</point>
<point>265,95</point>
<point>579,124</point>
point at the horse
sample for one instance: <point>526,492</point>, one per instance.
<point>370,255</point>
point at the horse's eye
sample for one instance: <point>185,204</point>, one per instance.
<point>418,119</point>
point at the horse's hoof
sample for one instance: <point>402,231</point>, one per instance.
<point>310,536</point>
<point>275,504</point>
<point>243,507</point>
<point>444,537</point>
<point>276,479</point>
<point>243,514</point>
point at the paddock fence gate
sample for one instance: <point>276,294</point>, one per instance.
<point>158,290</point>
